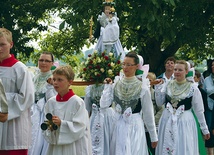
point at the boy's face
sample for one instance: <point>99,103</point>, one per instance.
<point>61,84</point>
<point>5,47</point>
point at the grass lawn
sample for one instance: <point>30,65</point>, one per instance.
<point>79,90</point>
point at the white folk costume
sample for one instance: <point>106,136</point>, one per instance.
<point>73,135</point>
<point>124,121</point>
<point>19,89</point>
<point>100,140</point>
<point>109,36</point>
<point>177,132</point>
<point>43,92</point>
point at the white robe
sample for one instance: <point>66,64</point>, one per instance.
<point>73,135</point>
<point>3,100</point>
<point>19,89</point>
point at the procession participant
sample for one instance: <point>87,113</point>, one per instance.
<point>131,108</point>
<point>72,135</point>
<point>43,91</point>
<point>177,132</point>
<point>17,81</point>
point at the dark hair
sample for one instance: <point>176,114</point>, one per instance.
<point>197,74</point>
<point>170,59</point>
<point>49,53</point>
<point>209,69</point>
<point>134,56</point>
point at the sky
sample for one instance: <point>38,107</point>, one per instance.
<point>54,27</point>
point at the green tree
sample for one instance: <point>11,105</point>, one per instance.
<point>157,29</point>
<point>25,16</point>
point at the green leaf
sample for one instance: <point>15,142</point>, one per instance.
<point>62,25</point>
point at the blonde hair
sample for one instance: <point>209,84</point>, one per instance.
<point>183,62</point>
<point>7,34</point>
<point>67,71</point>
<point>151,76</point>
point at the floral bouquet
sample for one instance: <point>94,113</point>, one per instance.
<point>99,66</point>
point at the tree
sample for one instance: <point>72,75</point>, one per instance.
<point>22,17</point>
<point>157,29</point>
<point>63,47</point>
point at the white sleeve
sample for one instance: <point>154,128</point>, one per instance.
<point>160,94</point>
<point>197,104</point>
<point>87,99</point>
<point>107,96</point>
<point>3,100</point>
<point>50,92</point>
<point>148,114</point>
<point>50,136</point>
<point>23,99</point>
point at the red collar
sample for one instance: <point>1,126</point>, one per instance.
<point>9,62</point>
<point>66,97</point>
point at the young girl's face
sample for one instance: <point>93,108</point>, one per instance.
<point>129,66</point>
<point>107,10</point>
<point>61,84</point>
<point>180,72</point>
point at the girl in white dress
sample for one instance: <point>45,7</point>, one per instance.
<point>177,132</point>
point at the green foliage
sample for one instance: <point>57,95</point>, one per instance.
<point>22,16</point>
<point>63,46</point>
<point>156,29</point>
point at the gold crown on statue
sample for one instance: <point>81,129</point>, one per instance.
<point>109,2</point>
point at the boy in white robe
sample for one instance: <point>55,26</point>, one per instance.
<point>15,133</point>
<point>72,134</point>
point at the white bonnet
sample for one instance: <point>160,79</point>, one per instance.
<point>141,61</point>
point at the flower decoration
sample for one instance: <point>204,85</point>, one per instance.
<point>99,66</point>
